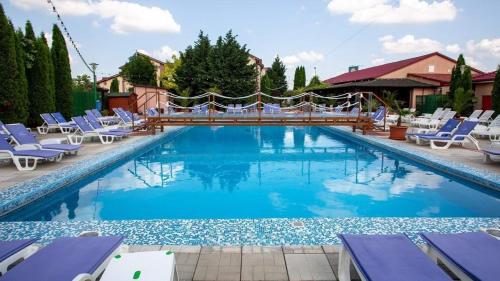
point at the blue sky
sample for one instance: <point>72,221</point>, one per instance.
<point>327,34</point>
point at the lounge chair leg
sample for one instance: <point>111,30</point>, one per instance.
<point>42,130</point>
<point>487,158</point>
<point>344,265</point>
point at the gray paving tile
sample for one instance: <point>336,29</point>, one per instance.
<point>302,250</point>
<point>143,248</point>
<point>333,259</point>
<point>263,266</point>
<point>303,267</point>
<point>217,263</point>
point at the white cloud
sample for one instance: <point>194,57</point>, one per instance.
<point>386,12</point>
<point>126,17</point>
<point>96,24</point>
<point>165,53</point>
<point>378,61</point>
<point>453,48</point>
<point>474,62</point>
<point>409,44</point>
<point>48,37</point>
<point>485,47</point>
<point>310,56</point>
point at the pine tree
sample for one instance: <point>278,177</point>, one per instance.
<point>22,105</point>
<point>277,76</point>
<point>194,72</point>
<point>299,80</point>
<point>8,71</point>
<point>296,79</point>
<point>41,100</point>
<point>62,73</point>
<point>303,77</point>
<point>265,84</point>
<point>229,68</point>
<point>315,81</point>
<point>496,92</point>
<point>114,87</point>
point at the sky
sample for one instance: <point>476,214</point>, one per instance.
<point>326,36</point>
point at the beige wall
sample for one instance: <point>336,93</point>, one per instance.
<point>482,89</point>
<point>441,65</point>
<point>145,93</point>
<point>123,85</point>
<point>260,70</point>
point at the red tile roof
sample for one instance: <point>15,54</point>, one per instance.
<point>490,76</point>
<point>443,79</point>
<point>380,70</point>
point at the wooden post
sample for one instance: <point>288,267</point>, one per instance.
<point>259,109</point>
<point>209,107</point>
<point>310,107</point>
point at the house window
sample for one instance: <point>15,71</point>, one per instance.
<point>431,68</point>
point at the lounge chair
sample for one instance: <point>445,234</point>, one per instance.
<point>68,258</point>
<point>13,251</point>
<point>125,120</point>
<point>108,120</point>
<point>489,152</point>
<point>26,160</point>
<point>354,111</point>
<point>470,256</point>
<point>446,130</point>
<point>94,123</point>
<point>474,115</point>
<point>152,112</point>
<point>49,123</point>
<point>386,258</point>
<point>267,109</point>
<point>460,136</point>
<point>151,265</point>
<point>85,131</point>
<point>3,132</point>
<point>436,114</point>
<point>60,119</point>
<point>491,131</point>
<point>432,121</point>
<point>238,109</point>
<point>276,108</point>
<point>485,118</point>
<point>230,108</point>
<point>25,139</point>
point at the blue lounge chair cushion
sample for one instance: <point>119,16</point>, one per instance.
<point>448,127</point>
<point>65,258</point>
<point>62,146</point>
<point>37,153</point>
<point>391,258</point>
<point>8,248</point>
<point>476,253</point>
<point>492,151</point>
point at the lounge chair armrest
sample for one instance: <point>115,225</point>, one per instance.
<point>27,147</point>
<point>53,141</point>
<point>443,134</point>
<point>458,136</point>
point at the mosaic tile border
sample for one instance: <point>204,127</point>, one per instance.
<point>23,193</point>
<point>260,232</point>
<point>457,169</point>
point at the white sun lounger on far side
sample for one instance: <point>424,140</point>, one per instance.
<point>143,266</point>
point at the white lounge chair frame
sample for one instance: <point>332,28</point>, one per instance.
<point>453,140</point>
<point>18,160</point>
<point>345,265</point>
<point>20,255</point>
<point>435,255</point>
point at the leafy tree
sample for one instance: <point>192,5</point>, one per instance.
<point>8,71</point>
<point>167,77</point>
<point>82,83</point>
<point>496,92</point>
<point>456,77</point>
<point>229,68</point>
<point>463,100</point>
<point>114,87</point>
<point>41,100</point>
<point>22,102</point>
<point>139,71</point>
<point>277,76</point>
<point>62,73</point>
<point>315,81</point>
<point>194,71</point>
<point>266,84</point>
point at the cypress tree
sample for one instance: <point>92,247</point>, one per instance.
<point>29,45</point>
<point>456,77</point>
<point>296,79</point>
<point>303,77</point>
<point>62,73</point>
<point>265,84</point>
<point>8,71</point>
<point>22,105</point>
<point>496,92</point>
<point>114,87</point>
<point>41,100</point>
<point>52,79</point>
<point>278,77</point>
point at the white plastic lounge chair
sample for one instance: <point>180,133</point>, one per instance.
<point>3,132</point>
<point>108,120</point>
<point>238,109</point>
<point>94,123</point>
<point>474,115</point>
<point>68,258</point>
<point>26,140</point>
<point>85,131</point>
<point>470,256</point>
<point>26,160</point>
<point>12,252</point>
<point>145,266</point>
<point>50,123</point>
<point>386,258</point>
<point>492,130</point>
<point>460,136</point>
<point>485,118</point>
<point>446,130</point>
<point>488,153</point>
<point>425,118</point>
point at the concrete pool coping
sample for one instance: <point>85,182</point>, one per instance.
<point>265,232</point>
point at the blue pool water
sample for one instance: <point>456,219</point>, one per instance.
<point>262,172</point>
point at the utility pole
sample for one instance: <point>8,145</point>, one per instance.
<point>94,86</point>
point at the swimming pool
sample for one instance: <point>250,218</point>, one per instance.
<point>262,172</point>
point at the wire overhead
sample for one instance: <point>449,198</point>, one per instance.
<point>70,38</point>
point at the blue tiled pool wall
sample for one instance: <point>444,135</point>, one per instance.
<point>451,168</point>
<point>23,193</point>
<point>315,231</point>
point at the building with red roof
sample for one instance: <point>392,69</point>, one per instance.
<point>431,71</point>
<point>483,89</point>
